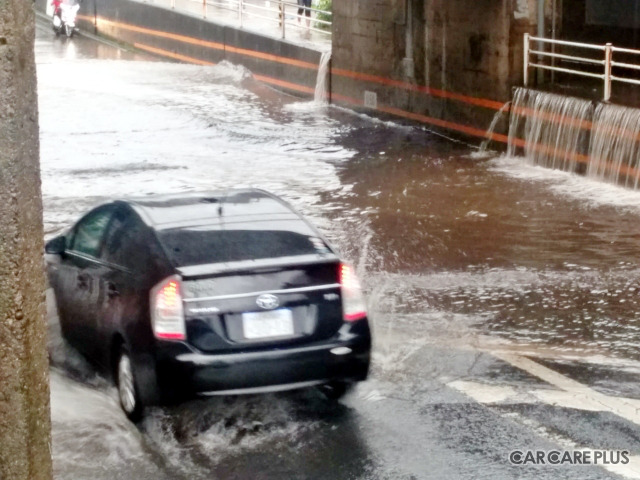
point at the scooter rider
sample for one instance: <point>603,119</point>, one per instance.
<point>56,7</point>
<point>64,16</point>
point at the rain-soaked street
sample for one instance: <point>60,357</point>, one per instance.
<point>505,297</point>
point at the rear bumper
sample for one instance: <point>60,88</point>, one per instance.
<point>189,374</point>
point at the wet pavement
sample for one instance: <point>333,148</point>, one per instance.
<point>504,296</point>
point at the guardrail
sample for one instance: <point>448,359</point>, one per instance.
<point>280,15</point>
<point>605,61</point>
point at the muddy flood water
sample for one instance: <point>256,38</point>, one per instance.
<point>453,247</point>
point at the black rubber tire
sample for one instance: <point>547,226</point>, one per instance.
<point>335,390</point>
<point>128,391</point>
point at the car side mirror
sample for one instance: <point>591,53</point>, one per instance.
<point>56,246</point>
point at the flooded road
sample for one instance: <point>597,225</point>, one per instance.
<point>471,264</point>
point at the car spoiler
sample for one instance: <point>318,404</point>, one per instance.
<point>224,268</point>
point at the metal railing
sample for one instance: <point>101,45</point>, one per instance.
<point>275,15</point>
<point>605,61</point>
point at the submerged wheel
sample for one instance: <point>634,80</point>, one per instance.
<point>335,390</point>
<point>127,390</point>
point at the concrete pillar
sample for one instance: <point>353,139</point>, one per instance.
<point>25,425</point>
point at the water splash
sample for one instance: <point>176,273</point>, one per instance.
<point>320,96</point>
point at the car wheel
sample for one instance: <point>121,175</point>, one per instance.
<point>127,390</point>
<point>335,390</point>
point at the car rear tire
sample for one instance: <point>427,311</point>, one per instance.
<point>335,390</point>
<point>127,387</point>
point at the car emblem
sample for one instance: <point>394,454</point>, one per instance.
<point>267,301</point>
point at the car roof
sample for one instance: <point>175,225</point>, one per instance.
<point>212,208</point>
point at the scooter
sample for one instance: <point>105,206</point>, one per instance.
<point>65,20</point>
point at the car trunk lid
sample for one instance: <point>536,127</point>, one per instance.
<point>262,303</point>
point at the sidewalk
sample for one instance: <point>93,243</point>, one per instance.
<point>270,25</point>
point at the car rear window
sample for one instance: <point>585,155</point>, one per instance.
<point>198,246</point>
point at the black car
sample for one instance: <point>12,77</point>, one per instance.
<point>208,294</point>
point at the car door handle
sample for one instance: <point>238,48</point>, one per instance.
<point>83,281</point>
<point>112,291</point>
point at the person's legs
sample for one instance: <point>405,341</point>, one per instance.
<point>300,9</point>
<point>307,4</point>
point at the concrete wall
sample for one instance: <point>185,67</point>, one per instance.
<point>453,71</point>
<point>183,37</point>
<point>24,390</point>
<point>468,52</point>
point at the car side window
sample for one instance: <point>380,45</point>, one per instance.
<point>88,234</point>
<point>128,243</point>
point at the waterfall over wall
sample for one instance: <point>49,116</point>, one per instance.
<point>552,127</point>
<point>575,135</point>
<point>320,95</point>
<point>614,147</point>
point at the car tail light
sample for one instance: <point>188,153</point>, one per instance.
<point>353,305</point>
<point>167,315</point>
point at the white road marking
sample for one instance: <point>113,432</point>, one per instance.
<point>496,394</point>
<point>625,408</point>
<point>484,393</point>
<point>630,470</point>
<point>569,394</point>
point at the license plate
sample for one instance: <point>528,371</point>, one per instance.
<point>274,323</point>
